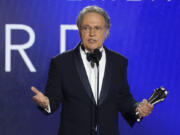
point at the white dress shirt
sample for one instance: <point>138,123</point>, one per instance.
<point>92,71</point>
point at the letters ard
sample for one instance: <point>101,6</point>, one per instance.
<point>9,47</point>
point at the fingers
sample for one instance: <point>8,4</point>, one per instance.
<point>40,99</point>
<point>144,108</point>
<point>36,100</point>
<point>36,91</point>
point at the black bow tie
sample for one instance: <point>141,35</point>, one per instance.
<point>93,57</point>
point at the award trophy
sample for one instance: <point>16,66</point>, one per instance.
<point>158,95</point>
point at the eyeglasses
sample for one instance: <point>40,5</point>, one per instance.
<point>87,29</point>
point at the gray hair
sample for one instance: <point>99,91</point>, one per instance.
<point>95,9</point>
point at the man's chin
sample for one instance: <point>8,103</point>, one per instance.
<point>92,49</point>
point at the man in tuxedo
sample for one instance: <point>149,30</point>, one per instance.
<point>90,81</point>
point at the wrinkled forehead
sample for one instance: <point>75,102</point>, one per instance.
<point>93,19</point>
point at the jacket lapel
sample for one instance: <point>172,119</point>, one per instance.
<point>82,73</point>
<point>107,78</point>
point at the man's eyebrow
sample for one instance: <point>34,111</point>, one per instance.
<point>86,25</point>
<point>91,26</point>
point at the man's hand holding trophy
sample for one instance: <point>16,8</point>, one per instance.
<point>158,95</point>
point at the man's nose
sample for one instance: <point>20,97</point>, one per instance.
<point>92,32</point>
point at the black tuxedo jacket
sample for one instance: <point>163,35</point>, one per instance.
<point>68,85</point>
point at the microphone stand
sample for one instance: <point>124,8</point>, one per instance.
<point>97,98</point>
<point>98,132</point>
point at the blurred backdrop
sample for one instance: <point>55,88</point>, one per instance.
<point>146,32</point>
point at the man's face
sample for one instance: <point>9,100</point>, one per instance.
<point>93,31</point>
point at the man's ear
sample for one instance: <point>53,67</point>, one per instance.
<point>106,33</point>
<point>79,32</point>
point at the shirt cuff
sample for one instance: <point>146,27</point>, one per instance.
<point>48,109</point>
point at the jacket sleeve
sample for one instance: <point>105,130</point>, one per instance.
<point>53,88</point>
<point>127,104</point>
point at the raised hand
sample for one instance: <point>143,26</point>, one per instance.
<point>144,108</point>
<point>39,98</point>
